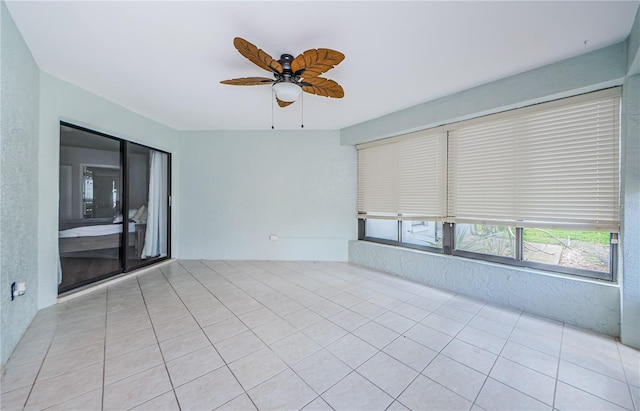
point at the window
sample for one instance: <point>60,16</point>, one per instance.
<point>552,165</point>
<point>537,186</point>
<point>588,250</point>
<point>404,177</point>
<point>426,235</point>
<point>422,233</point>
<point>382,229</point>
<point>486,239</point>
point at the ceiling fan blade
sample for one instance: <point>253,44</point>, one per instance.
<point>283,103</point>
<point>257,56</point>
<point>315,62</point>
<point>248,81</point>
<point>322,87</point>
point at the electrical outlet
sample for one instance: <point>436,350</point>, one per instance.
<point>273,237</point>
<point>18,289</point>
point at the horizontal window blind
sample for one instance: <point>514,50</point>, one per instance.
<point>377,180</point>
<point>403,177</point>
<point>554,165</point>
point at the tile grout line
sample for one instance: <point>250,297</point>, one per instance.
<point>290,367</point>
<point>224,361</point>
<point>420,373</point>
<point>60,375</point>
<point>266,345</point>
<point>159,349</point>
<point>498,356</point>
<point>104,348</point>
<point>592,394</point>
<point>634,401</point>
<point>555,385</point>
<point>26,401</point>
<point>380,350</point>
<point>319,395</point>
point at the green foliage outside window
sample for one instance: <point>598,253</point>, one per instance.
<point>552,236</point>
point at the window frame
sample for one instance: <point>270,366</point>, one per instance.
<point>449,248</point>
<point>362,235</point>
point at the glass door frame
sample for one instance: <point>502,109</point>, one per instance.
<point>124,175</point>
<point>125,206</point>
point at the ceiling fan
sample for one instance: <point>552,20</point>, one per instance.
<point>291,75</point>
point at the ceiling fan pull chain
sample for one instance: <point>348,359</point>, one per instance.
<point>273,96</point>
<point>302,111</point>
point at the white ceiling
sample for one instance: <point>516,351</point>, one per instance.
<point>165,59</point>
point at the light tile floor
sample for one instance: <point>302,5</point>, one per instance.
<point>241,335</point>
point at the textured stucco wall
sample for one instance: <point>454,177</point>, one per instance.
<point>633,48</point>
<point>19,183</point>
<point>240,187</point>
<point>584,303</point>
<point>630,224</point>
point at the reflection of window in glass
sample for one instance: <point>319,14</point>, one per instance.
<point>382,229</point>
<point>114,195</point>
<point>101,191</point>
<point>87,193</point>
<point>424,233</point>
<point>486,239</point>
<point>579,249</point>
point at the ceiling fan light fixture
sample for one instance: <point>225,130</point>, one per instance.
<point>287,91</point>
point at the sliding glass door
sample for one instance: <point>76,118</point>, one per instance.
<point>114,206</point>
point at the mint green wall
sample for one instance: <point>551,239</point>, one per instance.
<point>60,100</point>
<point>240,187</point>
<point>633,48</point>
<point>630,188</point>
<point>19,182</point>
<point>630,228</point>
<point>593,71</point>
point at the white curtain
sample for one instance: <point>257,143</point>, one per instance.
<point>155,241</point>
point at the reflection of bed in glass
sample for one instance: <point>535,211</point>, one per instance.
<point>99,237</point>
<point>85,238</point>
<point>91,249</point>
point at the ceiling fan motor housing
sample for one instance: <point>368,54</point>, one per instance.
<point>287,86</point>
<point>285,62</point>
<point>287,74</point>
